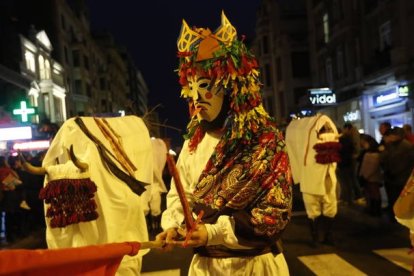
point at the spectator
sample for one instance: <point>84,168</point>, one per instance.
<point>347,166</point>
<point>9,180</point>
<point>408,133</point>
<point>397,161</point>
<point>383,129</point>
<point>370,173</point>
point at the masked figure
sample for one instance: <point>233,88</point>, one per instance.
<point>233,165</point>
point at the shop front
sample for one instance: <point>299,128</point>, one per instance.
<point>388,105</point>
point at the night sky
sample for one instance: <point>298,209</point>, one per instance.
<point>149,30</point>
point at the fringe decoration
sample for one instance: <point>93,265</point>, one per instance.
<point>71,201</point>
<point>327,152</point>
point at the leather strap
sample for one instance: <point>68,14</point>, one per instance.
<point>135,185</point>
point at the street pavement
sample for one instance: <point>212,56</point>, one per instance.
<point>364,245</point>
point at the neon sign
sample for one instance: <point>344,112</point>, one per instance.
<point>24,111</point>
<point>322,96</point>
<point>15,133</point>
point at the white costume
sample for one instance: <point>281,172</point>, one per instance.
<point>151,198</point>
<point>317,181</point>
<point>190,166</point>
<point>121,217</point>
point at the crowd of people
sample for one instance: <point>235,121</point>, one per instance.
<point>20,206</point>
<point>368,166</point>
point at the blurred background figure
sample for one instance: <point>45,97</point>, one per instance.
<point>384,128</point>
<point>397,161</point>
<point>350,191</point>
<point>370,173</point>
<point>9,182</point>
<point>36,218</point>
<point>408,133</point>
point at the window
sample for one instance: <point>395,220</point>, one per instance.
<point>329,77</point>
<point>65,49</point>
<point>340,62</point>
<point>47,69</point>
<point>86,62</point>
<point>76,58</point>
<point>265,45</point>
<point>325,20</point>
<point>42,67</point>
<point>268,76</point>
<point>300,64</point>
<point>58,109</point>
<point>102,84</point>
<point>385,36</point>
<point>63,21</point>
<point>78,87</point>
<point>30,61</point>
<point>279,69</point>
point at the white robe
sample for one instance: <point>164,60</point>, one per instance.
<point>121,217</point>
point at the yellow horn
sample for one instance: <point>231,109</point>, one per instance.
<point>81,165</point>
<point>30,168</point>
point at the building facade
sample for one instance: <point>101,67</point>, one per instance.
<point>360,54</point>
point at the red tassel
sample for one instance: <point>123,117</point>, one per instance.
<point>71,201</point>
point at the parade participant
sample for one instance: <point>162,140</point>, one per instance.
<point>313,148</point>
<point>233,164</point>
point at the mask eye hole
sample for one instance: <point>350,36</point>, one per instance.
<point>203,85</point>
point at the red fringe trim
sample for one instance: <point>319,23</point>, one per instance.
<point>327,153</point>
<point>71,201</point>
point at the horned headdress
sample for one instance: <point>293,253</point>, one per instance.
<point>223,58</point>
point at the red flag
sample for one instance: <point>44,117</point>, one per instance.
<point>88,260</point>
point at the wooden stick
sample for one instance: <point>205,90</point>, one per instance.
<point>152,244</point>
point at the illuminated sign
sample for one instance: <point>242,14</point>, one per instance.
<point>386,97</point>
<point>322,96</point>
<point>3,145</point>
<point>15,133</point>
<point>352,116</point>
<point>24,111</point>
<point>403,91</point>
<point>32,145</point>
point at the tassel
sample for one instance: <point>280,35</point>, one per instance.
<point>71,201</point>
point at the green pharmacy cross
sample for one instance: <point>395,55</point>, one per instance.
<point>24,111</point>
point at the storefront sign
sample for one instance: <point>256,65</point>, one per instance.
<point>352,116</point>
<point>322,96</point>
<point>403,91</point>
<point>15,133</point>
<point>32,145</point>
<point>386,97</point>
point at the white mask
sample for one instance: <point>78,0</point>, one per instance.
<point>207,100</point>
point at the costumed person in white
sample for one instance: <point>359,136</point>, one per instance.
<point>233,165</point>
<point>151,198</point>
<point>94,206</point>
<point>313,148</point>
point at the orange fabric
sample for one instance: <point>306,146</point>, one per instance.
<point>89,260</point>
